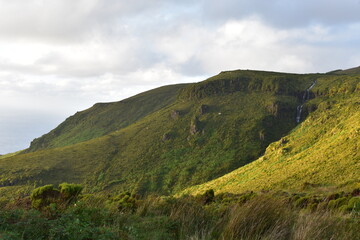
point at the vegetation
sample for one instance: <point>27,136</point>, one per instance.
<point>104,118</point>
<point>48,196</point>
<point>177,146</point>
<point>180,143</point>
<point>226,154</point>
<point>321,153</point>
<point>250,215</point>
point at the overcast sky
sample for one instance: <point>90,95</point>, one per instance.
<point>62,56</point>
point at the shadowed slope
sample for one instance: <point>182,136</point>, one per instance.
<point>323,151</point>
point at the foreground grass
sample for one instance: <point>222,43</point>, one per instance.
<point>249,215</point>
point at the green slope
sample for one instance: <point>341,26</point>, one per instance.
<point>104,118</point>
<point>213,127</point>
<point>323,152</point>
<point>355,70</point>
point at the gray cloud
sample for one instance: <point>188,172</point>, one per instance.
<point>60,56</point>
<point>285,13</point>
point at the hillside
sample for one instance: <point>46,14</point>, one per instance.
<point>323,152</point>
<point>355,70</point>
<point>200,132</point>
<point>104,118</point>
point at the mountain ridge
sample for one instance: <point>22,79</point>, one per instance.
<point>200,132</point>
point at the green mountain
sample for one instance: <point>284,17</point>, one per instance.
<point>104,118</point>
<point>173,137</point>
<point>320,154</point>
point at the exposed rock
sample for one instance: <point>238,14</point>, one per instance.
<point>166,137</point>
<point>203,109</point>
<point>194,126</point>
<point>175,114</point>
<point>273,109</point>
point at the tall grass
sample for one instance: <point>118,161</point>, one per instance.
<point>261,218</point>
<point>265,216</point>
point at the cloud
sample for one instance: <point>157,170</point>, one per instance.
<point>284,13</point>
<point>64,21</point>
<point>61,56</point>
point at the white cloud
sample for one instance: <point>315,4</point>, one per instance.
<point>60,56</point>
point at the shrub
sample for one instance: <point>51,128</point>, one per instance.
<point>125,202</point>
<point>48,195</point>
<point>44,196</point>
<point>246,197</point>
<point>208,196</point>
<point>302,202</point>
<point>354,204</point>
<point>335,204</point>
<point>70,192</point>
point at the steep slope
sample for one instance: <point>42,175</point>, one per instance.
<point>323,151</point>
<point>104,118</point>
<point>213,127</point>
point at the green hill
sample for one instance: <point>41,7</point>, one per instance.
<point>104,118</point>
<point>177,136</point>
<point>355,70</point>
<point>322,153</point>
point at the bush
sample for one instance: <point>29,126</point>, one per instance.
<point>70,192</point>
<point>354,204</point>
<point>125,202</point>
<point>302,202</point>
<point>48,196</point>
<point>43,196</point>
<point>335,204</point>
<point>208,196</point>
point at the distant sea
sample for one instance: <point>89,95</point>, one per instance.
<point>18,129</point>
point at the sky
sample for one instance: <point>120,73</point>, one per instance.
<point>58,57</point>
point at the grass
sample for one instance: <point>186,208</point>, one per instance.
<point>322,151</point>
<point>271,215</point>
<point>246,113</point>
<point>104,118</point>
<point>227,137</point>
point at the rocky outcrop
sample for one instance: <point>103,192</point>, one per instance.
<point>273,109</point>
<point>194,126</point>
<point>203,109</point>
<point>175,114</point>
<point>166,137</point>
